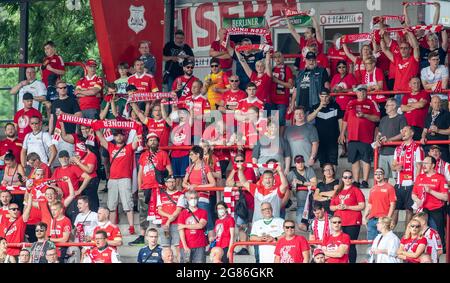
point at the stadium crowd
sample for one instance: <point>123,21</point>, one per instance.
<point>281,120</point>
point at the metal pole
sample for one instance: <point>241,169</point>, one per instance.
<point>23,41</point>
<point>171,19</point>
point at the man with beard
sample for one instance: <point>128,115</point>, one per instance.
<point>183,84</point>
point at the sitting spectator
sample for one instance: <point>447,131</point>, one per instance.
<point>52,65</point>
<point>220,52</point>
<point>381,203</point>
<point>9,144</point>
<point>385,245</point>
<point>13,171</point>
<point>5,200</point>
<point>321,225</point>
<point>101,253</point>
<point>224,231</point>
<point>216,255</point>
<point>216,83</point>
<point>30,85</point>
<point>191,226</point>
<point>267,229</point>
<point>152,253</point>
<point>85,222</point>
<point>325,189</point>
<point>4,257</point>
<point>23,116</point>
<point>89,91</point>
<point>24,256</point>
<point>318,256</point>
<point>434,242</point>
<point>114,236</point>
<point>34,161</point>
<point>40,247</point>
<point>167,255</point>
<point>415,106</point>
<point>291,248</point>
<point>347,203</point>
<point>147,57</point>
<point>302,176</point>
<point>361,113</point>
<point>435,77</point>
<point>342,82</point>
<point>51,255</point>
<point>336,246</point>
<point>413,245</point>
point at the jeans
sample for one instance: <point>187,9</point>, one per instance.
<point>372,231</point>
<point>197,255</point>
<point>353,232</point>
<point>207,207</point>
<point>301,199</point>
<point>282,109</point>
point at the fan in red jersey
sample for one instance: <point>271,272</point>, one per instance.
<point>89,91</point>
<point>113,234</point>
<point>291,248</point>
<point>53,64</point>
<point>156,124</point>
<point>434,242</point>
<point>413,245</point>
<point>232,96</point>
<point>60,228</point>
<point>336,246</point>
<point>101,253</point>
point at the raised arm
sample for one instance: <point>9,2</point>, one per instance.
<point>103,141</point>
<point>348,53</point>
<point>414,44</point>
<point>245,66</point>
<point>138,112</point>
<point>67,138</point>
<point>293,31</point>
<point>384,48</point>
<point>268,62</point>
<point>316,25</point>
<point>105,111</point>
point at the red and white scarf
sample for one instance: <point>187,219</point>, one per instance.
<point>383,19</point>
<point>257,166</point>
<point>405,155</point>
<point>229,197</point>
<point>149,96</point>
<point>326,228</point>
<point>401,31</point>
<point>292,13</point>
<point>68,118</point>
<point>262,47</point>
<point>352,38</point>
<point>417,3</point>
<point>153,214</point>
<point>265,33</point>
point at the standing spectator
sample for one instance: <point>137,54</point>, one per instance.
<point>101,253</point>
<point>143,82</point>
<point>430,193</point>
<point>34,161</point>
<point>64,104</point>
<point>442,167</point>
<point>245,104</point>
<point>311,35</point>
<point>167,255</point>
<point>325,189</point>
<point>224,231</point>
<point>85,222</point>
<point>336,56</point>
<point>321,225</point>
<point>358,61</point>
<point>89,91</point>
<point>216,83</point>
<point>60,228</point>
<point>262,77</point>
<point>385,245</point>
<point>113,105</point>
<point>437,127</point>
<point>220,52</point>
<point>435,77</point>
<point>23,116</point>
<point>155,124</point>
<point>191,226</point>
<point>114,236</point>
<point>39,142</point>
<point>302,176</point>
<point>267,229</point>
<point>343,81</point>
<point>182,85</point>
<point>30,85</point>
<point>415,106</point>
<point>9,144</point>
<point>232,96</point>
<point>328,119</point>
<point>52,65</point>
<point>152,253</point>
<point>407,163</point>
<point>322,59</point>
<point>347,203</point>
<point>309,83</point>
<point>434,242</point>
<point>40,247</point>
<point>433,47</point>
<point>373,78</point>
<point>119,183</point>
<point>5,200</point>
<point>336,246</point>
<point>148,58</point>
<point>302,138</point>
<point>359,119</point>
<point>413,245</point>
<point>291,248</point>
<point>174,53</point>
<point>381,203</point>
<point>388,131</point>
<point>122,81</point>
<point>13,171</point>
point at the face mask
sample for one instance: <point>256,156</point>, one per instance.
<point>192,202</point>
<point>221,212</point>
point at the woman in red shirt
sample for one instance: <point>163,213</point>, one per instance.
<point>413,245</point>
<point>224,230</point>
<point>348,202</point>
<point>342,82</point>
<point>358,61</point>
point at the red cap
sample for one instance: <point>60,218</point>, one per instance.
<point>152,135</point>
<point>318,252</point>
<point>91,62</point>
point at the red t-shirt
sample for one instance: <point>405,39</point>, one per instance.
<point>200,105</point>
<point>14,145</point>
<point>112,231</point>
<point>58,227</point>
<point>104,256</point>
<point>334,56</point>
<point>144,82</point>
<point>358,68</point>
<point>22,120</point>
<point>160,161</point>
<point>373,79</point>
<point>71,171</point>
<point>347,82</point>
<point>332,243</point>
<point>232,98</point>
<point>194,238</point>
<point>43,166</point>
<point>291,251</point>
<point>169,206</point>
<point>180,135</point>
<point>222,230</point>
<point>122,166</point>
<point>416,117</point>
<point>89,102</point>
<point>279,93</point>
<point>405,69</point>
<point>13,232</point>
<point>91,159</point>
<point>304,43</point>
<point>349,197</point>
<point>437,183</point>
<point>160,128</point>
<point>263,86</point>
<point>411,245</point>
<point>195,178</point>
<point>56,62</point>
<point>244,104</point>
<point>187,90</point>
<point>395,49</point>
<point>360,129</point>
<point>380,198</point>
<point>225,64</point>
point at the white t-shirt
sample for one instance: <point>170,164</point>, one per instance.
<point>39,143</point>
<point>389,242</point>
<point>273,228</point>
<point>89,221</point>
<point>434,243</point>
<point>36,88</point>
<point>440,74</point>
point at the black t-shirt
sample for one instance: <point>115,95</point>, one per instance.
<point>171,49</point>
<point>442,121</point>
<point>323,188</point>
<point>424,56</point>
<point>303,82</point>
<point>327,121</point>
<point>68,106</point>
<point>251,60</point>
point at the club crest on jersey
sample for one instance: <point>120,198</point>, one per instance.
<point>136,21</point>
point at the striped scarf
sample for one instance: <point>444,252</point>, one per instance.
<point>326,228</point>
<point>230,197</point>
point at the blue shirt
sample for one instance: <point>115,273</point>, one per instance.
<point>150,256</point>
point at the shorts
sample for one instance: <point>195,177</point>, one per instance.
<point>328,153</point>
<point>119,188</point>
<point>90,113</point>
<point>404,200</point>
<point>179,166</point>
<point>173,239</point>
<point>359,151</point>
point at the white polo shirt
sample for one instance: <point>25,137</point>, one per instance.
<point>38,143</point>
<point>36,88</point>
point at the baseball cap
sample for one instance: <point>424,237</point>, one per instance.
<point>27,96</point>
<point>310,55</point>
<point>299,159</point>
<point>318,252</point>
<point>91,62</point>
<point>152,135</point>
<point>325,91</point>
<point>188,62</point>
<point>169,178</point>
<point>63,153</point>
<point>434,146</point>
<point>360,88</point>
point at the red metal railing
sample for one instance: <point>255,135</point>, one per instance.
<point>188,147</point>
<point>72,64</point>
<point>68,244</point>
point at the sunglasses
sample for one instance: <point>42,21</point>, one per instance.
<point>239,161</point>
<point>336,222</point>
<point>342,67</point>
<point>289,227</point>
<point>63,87</point>
<point>234,81</point>
<point>214,66</point>
<point>40,231</point>
<point>414,226</point>
<point>347,177</point>
<point>14,208</point>
<point>189,67</point>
